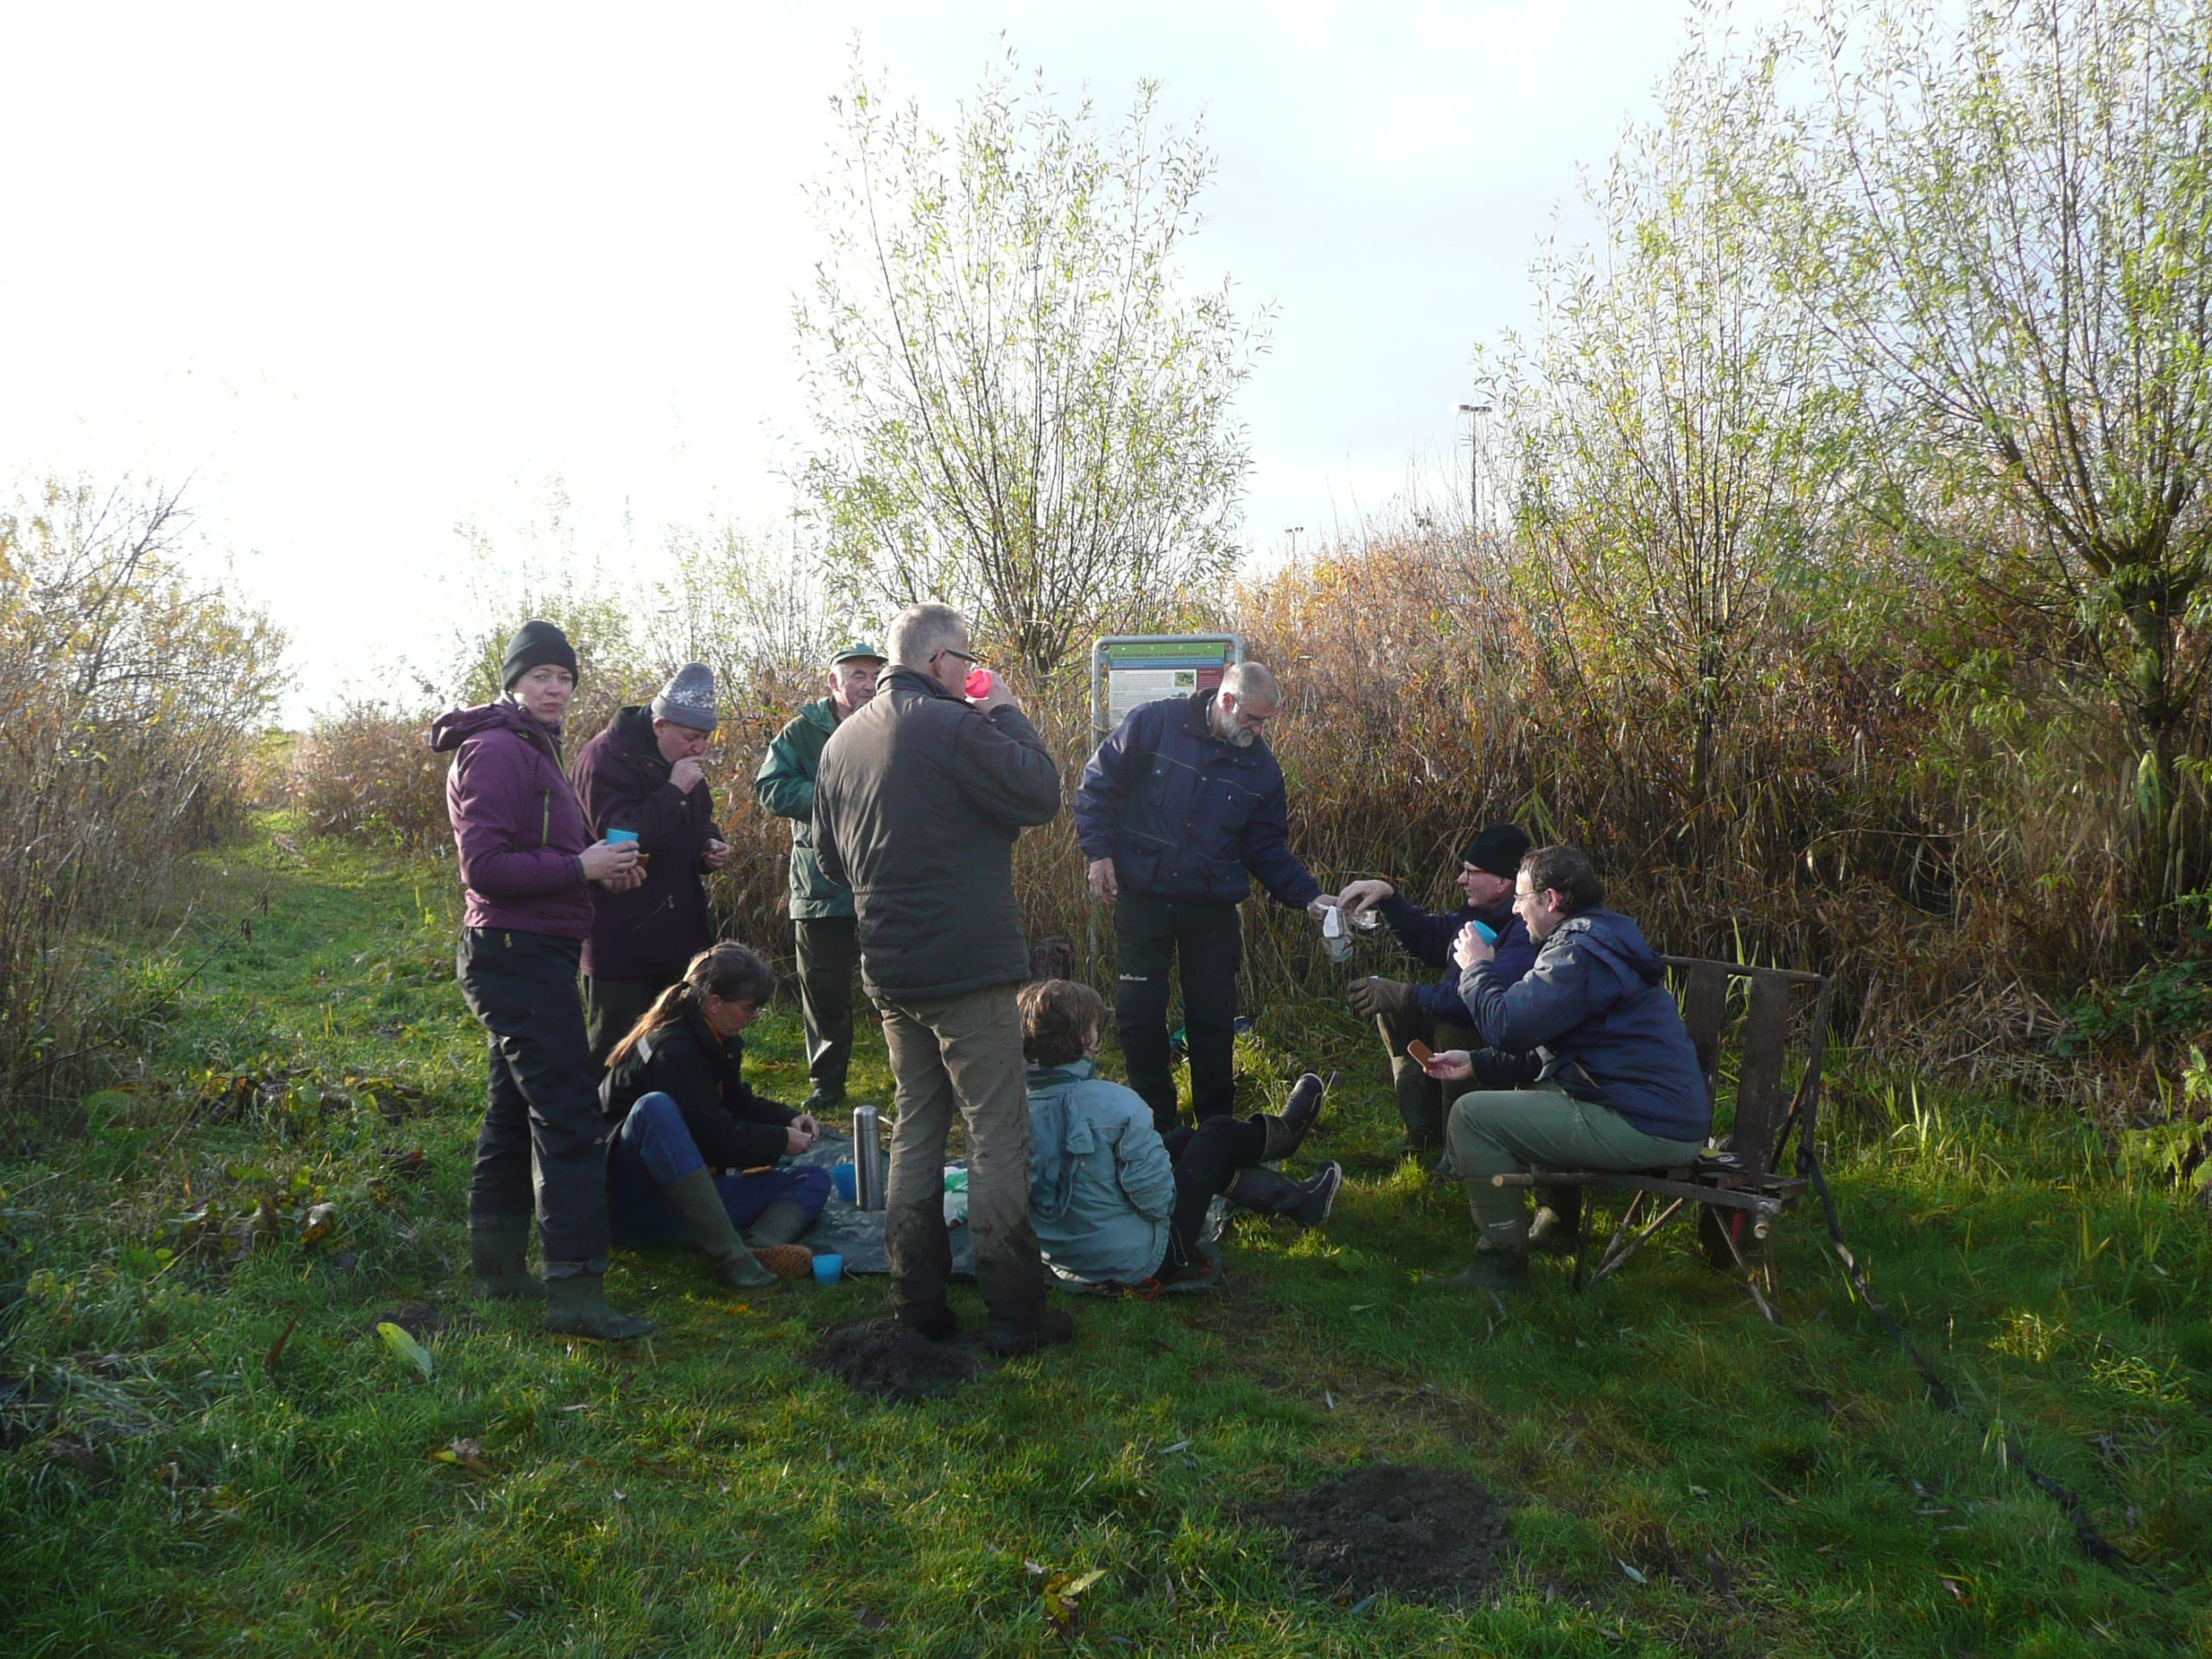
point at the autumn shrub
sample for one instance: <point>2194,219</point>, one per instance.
<point>131,697</point>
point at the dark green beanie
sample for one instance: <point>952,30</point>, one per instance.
<point>537,646</point>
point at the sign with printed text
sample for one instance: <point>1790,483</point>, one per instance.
<point>1128,673</point>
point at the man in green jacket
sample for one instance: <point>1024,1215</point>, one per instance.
<point>822,911</point>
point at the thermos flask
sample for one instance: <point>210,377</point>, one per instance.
<point>867,1158</point>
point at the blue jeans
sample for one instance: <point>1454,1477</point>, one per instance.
<point>652,1149</point>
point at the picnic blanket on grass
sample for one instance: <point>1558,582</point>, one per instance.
<point>856,1234</point>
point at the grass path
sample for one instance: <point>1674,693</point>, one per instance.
<point>204,1447</point>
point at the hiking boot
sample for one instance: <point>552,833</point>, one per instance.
<point>932,1322</point>
<point>497,1252</point>
<point>1010,1337</point>
<point>576,1306</point>
<point>781,1222</point>
<point>1270,1192</point>
<point>825,1095</point>
<point>1300,1113</point>
<point>1491,1270</point>
<point>698,1204</point>
<point>1557,1229</point>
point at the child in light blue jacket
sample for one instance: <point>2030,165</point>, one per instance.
<point>1114,1203</point>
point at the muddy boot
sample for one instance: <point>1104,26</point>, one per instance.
<point>1558,1225</point>
<point>1300,1113</point>
<point>931,1321</point>
<point>1273,1193</point>
<point>497,1246</point>
<point>1491,1270</point>
<point>576,1306</point>
<point>1203,1271</point>
<point>781,1222</point>
<point>1008,1335</point>
<point>706,1223</point>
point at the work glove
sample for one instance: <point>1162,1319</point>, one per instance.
<point>1370,997</point>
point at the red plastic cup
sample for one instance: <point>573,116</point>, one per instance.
<point>979,682</point>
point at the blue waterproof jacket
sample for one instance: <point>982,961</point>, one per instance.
<point>1596,1007</point>
<point>1426,936</point>
<point>1101,1186</point>
<point>1184,814</point>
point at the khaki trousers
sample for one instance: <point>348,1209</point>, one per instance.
<point>963,1054</point>
<point>1496,1132</point>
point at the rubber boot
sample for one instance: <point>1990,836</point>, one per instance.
<point>1492,1270</point>
<point>1558,1225</point>
<point>696,1201</point>
<point>497,1250</point>
<point>931,1321</point>
<point>576,1306</point>
<point>781,1222</point>
<point>1417,1106</point>
<point>1009,1336</point>
<point>1270,1192</point>
<point>1299,1114</point>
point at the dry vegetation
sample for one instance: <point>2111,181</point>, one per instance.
<point>131,698</point>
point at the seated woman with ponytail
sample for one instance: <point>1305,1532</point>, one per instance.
<point>676,1085</point>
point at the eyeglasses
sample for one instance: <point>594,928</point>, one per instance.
<point>962,655</point>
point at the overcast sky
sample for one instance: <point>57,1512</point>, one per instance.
<point>366,274</point>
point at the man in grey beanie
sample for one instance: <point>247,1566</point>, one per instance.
<point>642,775</point>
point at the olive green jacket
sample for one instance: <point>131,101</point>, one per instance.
<point>784,785</point>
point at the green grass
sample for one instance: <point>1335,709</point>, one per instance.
<point>1686,1478</point>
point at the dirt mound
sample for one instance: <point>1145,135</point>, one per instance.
<point>884,1358</point>
<point>1425,1535</point>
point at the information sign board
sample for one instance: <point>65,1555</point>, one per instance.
<point>1128,670</point>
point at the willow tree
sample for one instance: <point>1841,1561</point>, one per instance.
<point>1019,408</point>
<point>2015,218</point>
<point>1669,420</point>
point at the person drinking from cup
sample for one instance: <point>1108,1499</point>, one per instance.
<point>643,779</point>
<point>529,866</point>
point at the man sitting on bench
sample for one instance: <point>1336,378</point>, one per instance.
<point>1616,1080</point>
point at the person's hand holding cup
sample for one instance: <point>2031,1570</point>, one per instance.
<point>612,862</point>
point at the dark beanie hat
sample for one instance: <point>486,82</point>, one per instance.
<point>1499,850</point>
<point>537,646</point>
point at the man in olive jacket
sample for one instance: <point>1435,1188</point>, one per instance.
<point>919,799</point>
<point>822,911</point>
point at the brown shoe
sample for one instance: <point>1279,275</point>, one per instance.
<point>786,1261</point>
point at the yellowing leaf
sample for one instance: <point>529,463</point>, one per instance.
<point>406,1347</point>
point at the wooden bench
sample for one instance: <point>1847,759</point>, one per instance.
<point>1737,1199</point>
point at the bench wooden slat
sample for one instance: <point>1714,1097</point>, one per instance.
<point>1758,1083</point>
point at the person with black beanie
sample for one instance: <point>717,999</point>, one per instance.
<point>527,864</point>
<point>1404,1012</point>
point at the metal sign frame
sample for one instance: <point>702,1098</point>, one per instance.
<point>1206,653</point>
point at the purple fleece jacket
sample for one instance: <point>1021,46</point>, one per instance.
<point>516,824</point>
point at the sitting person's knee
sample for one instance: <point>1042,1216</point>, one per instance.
<point>810,1187</point>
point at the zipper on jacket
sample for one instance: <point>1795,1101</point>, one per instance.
<point>545,829</point>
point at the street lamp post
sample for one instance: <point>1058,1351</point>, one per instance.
<point>1474,412</point>
<point>1294,531</point>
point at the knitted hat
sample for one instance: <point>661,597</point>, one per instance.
<point>688,699</point>
<point>1499,850</point>
<point>538,644</point>
<point>852,651</point>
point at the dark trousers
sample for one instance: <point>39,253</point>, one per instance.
<point>1206,1159</point>
<point>653,1149</point>
<point>542,1143</point>
<point>828,951</point>
<point>613,1006</point>
<point>1149,935</point>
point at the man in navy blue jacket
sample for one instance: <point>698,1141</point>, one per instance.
<point>1618,1085</point>
<point>1178,811</point>
<point>1434,1013</point>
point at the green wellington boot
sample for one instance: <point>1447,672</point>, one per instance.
<point>498,1246</point>
<point>695,1199</point>
<point>781,1222</point>
<point>576,1306</point>
<point>1490,1270</point>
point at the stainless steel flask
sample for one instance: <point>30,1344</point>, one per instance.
<point>867,1158</point>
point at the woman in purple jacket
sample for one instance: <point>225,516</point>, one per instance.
<point>526,859</point>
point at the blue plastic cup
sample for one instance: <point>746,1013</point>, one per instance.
<point>829,1269</point>
<point>846,1180</point>
<point>617,837</point>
